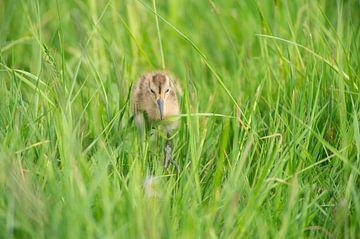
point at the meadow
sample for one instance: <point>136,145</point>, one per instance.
<point>268,143</point>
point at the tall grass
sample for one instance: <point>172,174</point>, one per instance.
<point>269,140</point>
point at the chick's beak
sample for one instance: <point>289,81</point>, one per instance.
<point>160,103</point>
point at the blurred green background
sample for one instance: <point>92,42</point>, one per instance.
<point>280,160</point>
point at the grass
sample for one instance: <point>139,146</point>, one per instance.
<point>269,141</point>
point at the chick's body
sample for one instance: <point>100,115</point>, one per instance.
<point>155,99</point>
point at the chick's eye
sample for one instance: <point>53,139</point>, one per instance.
<point>152,91</point>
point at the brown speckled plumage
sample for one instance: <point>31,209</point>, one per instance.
<point>144,101</point>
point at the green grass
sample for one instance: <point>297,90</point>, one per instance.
<point>269,140</point>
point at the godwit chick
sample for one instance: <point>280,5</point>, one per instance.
<point>155,99</point>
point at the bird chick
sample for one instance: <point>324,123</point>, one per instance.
<point>155,99</point>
